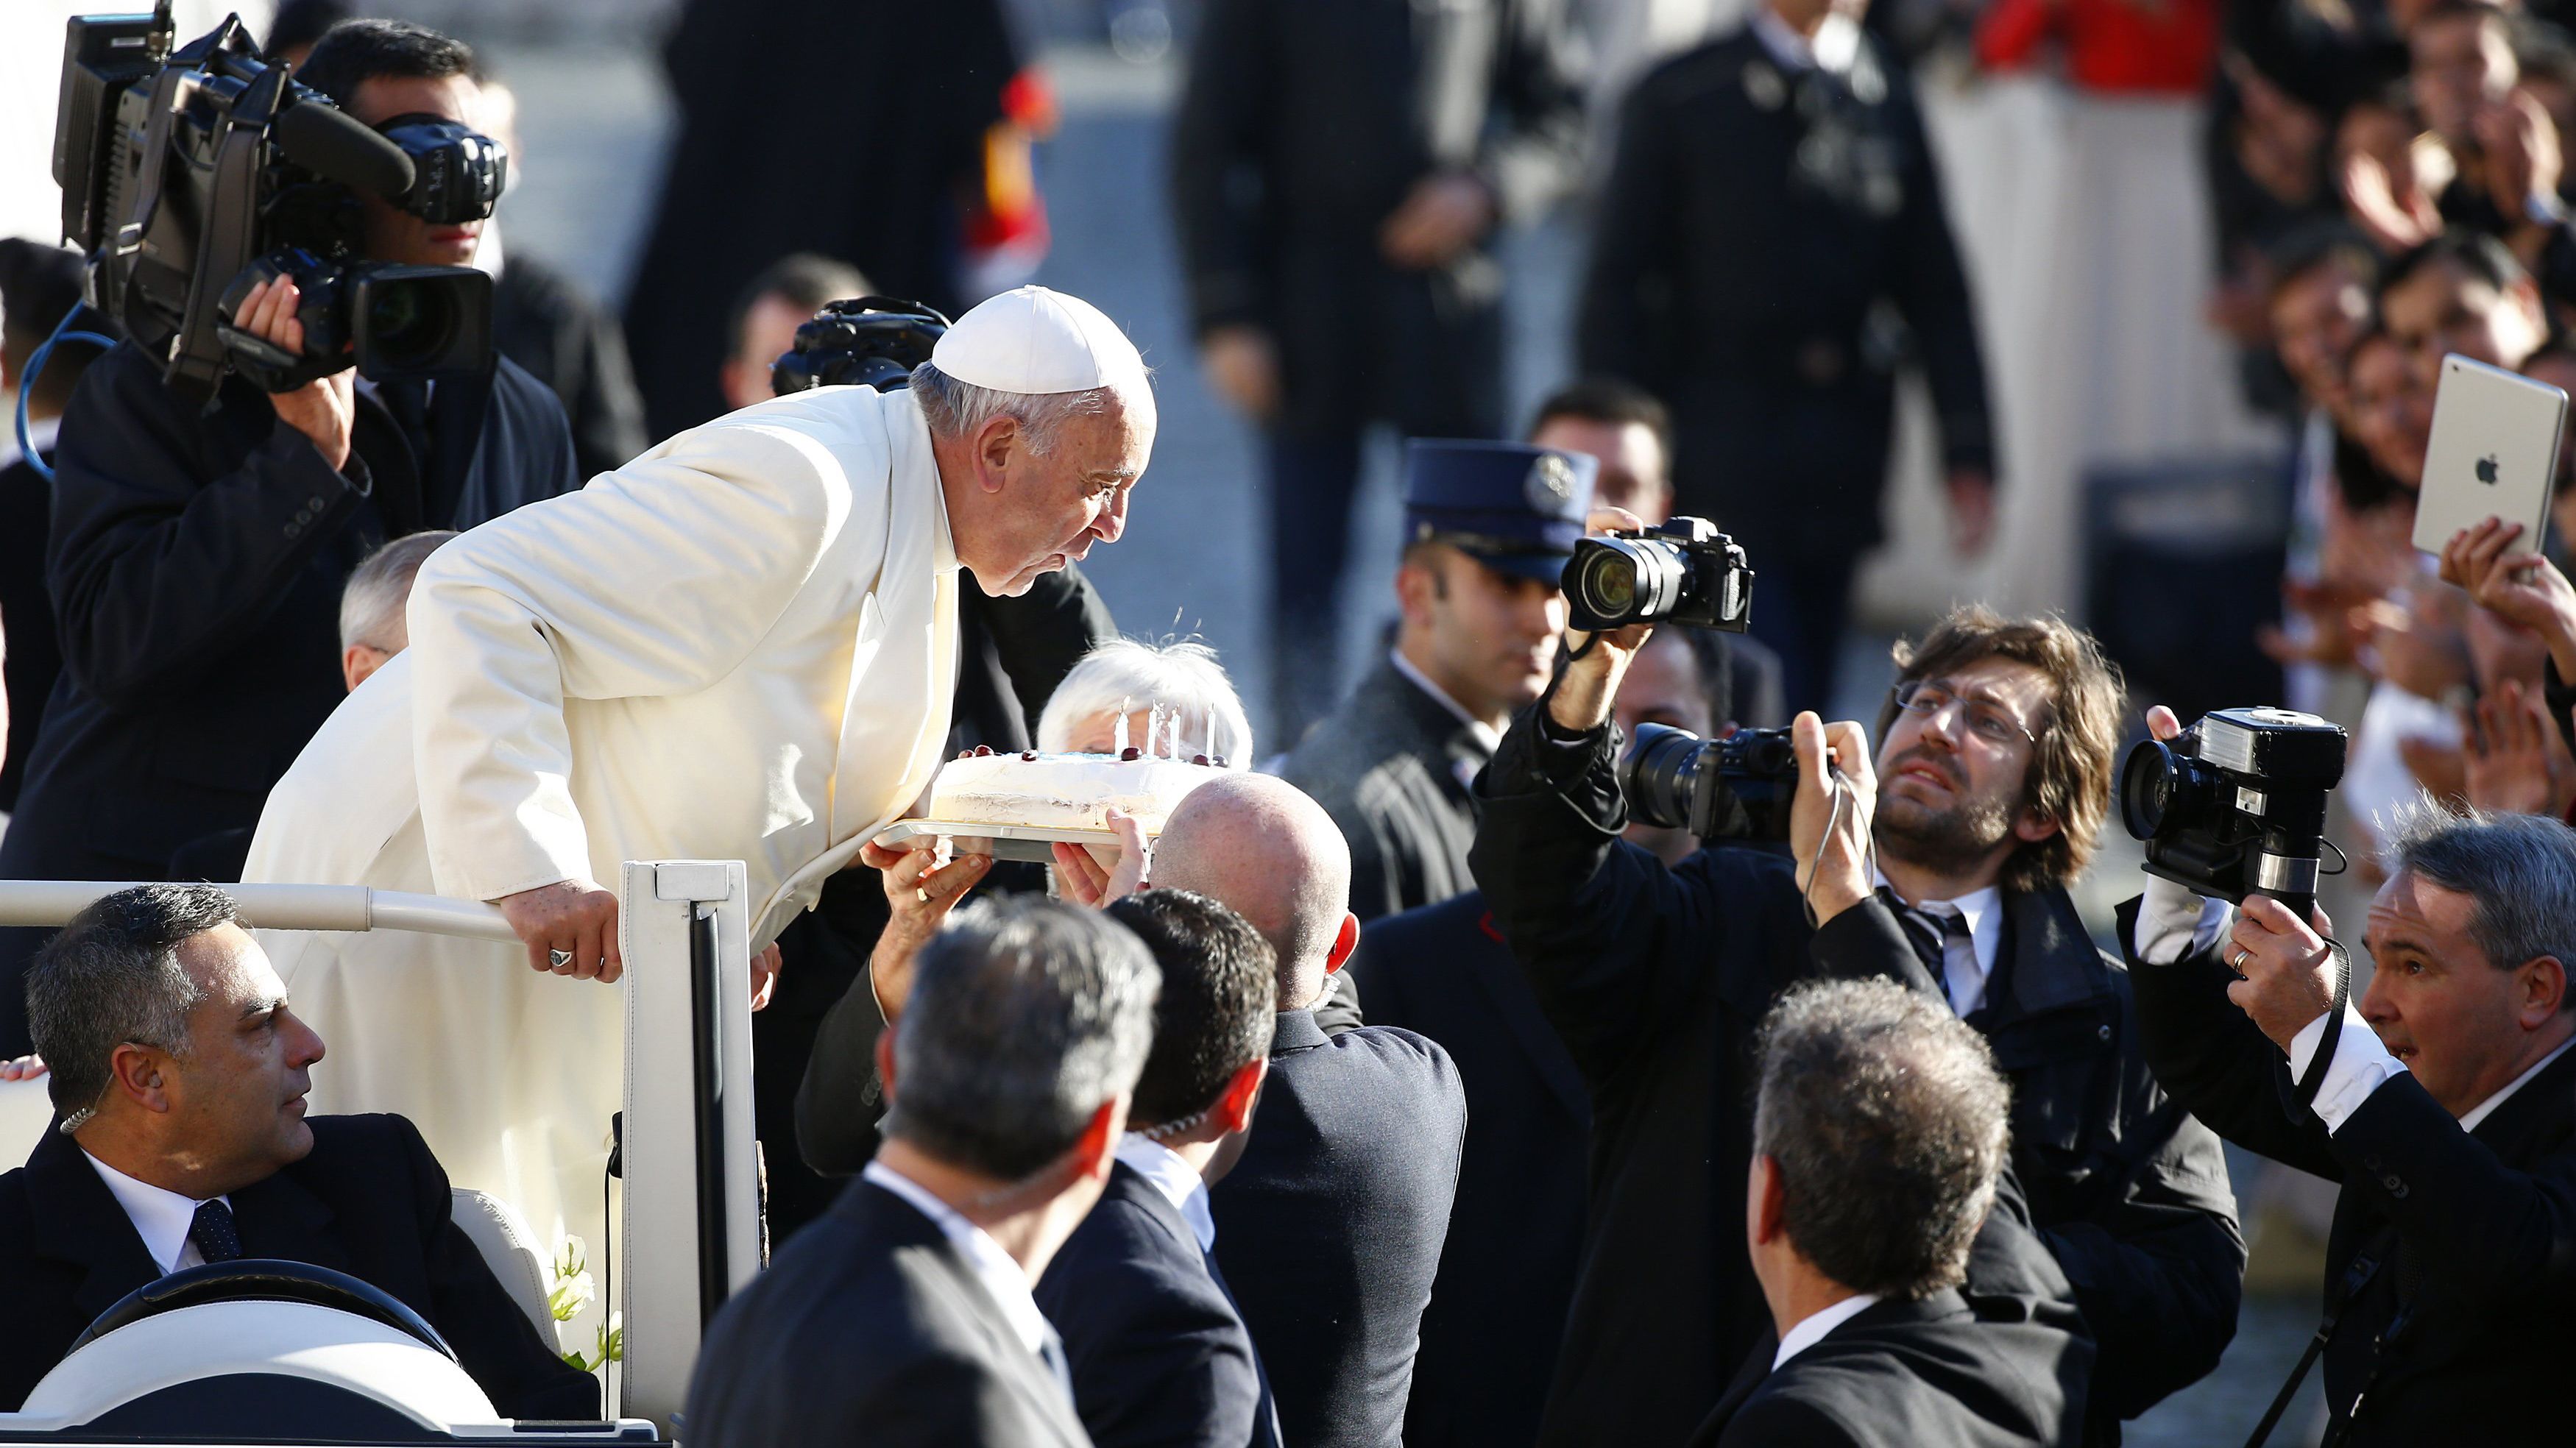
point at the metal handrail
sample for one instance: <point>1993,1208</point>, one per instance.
<point>278,907</point>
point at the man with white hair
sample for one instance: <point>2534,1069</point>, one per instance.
<point>739,646</point>
<point>374,606</point>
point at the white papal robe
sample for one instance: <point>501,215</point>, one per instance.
<point>741,645</point>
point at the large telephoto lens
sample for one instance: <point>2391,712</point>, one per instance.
<point>421,321</point>
<point>1613,582</point>
<point>1660,775</point>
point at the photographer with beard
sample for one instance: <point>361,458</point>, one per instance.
<point>1996,761</point>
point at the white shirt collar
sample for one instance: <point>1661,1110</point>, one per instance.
<point>1811,1329</point>
<point>2486,1108</point>
<point>161,1216</point>
<point>1483,731</point>
<point>1983,910</point>
<point>1178,1181</point>
<point>40,431</point>
<point>1001,1275</point>
<point>1837,41</point>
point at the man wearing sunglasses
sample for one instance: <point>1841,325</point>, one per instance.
<point>1982,806</point>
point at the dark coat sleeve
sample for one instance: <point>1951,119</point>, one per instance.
<point>1778,1420</point>
<point>1217,141</point>
<point>158,571</point>
<point>2209,1056</point>
<point>1158,1361</point>
<point>603,408</point>
<point>840,1101</point>
<point>1932,292</point>
<point>495,1343</point>
<point>1622,325</point>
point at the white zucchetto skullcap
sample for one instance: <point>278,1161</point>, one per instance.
<point>1032,340</point>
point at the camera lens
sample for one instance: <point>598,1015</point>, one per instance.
<point>2162,791</point>
<point>412,323</point>
<point>1609,584</point>
<point>1617,581</point>
<point>1660,774</point>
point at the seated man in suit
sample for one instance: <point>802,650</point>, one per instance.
<point>179,1076</point>
<point>904,1315</point>
<point>2448,1111</point>
<point>1879,1138</point>
<point>1329,1227</point>
<point>1159,1355</point>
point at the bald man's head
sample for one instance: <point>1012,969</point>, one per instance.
<point>1260,847</point>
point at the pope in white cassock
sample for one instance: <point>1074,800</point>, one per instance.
<point>741,645</point>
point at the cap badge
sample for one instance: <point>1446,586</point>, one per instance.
<point>1550,485</point>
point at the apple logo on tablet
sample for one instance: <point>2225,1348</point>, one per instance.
<point>2487,468</point>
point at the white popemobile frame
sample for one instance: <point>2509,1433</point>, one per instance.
<point>684,930</point>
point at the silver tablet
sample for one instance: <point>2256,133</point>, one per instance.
<point>2493,454</point>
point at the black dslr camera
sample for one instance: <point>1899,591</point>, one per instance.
<point>1682,571</point>
<point>1736,788</point>
<point>2236,805</point>
<point>189,176</point>
<point>865,342</point>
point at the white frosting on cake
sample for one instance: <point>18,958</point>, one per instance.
<point>1062,791</point>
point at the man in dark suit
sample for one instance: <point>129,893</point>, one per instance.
<point>1879,1139</point>
<point>1770,247</point>
<point>197,560</point>
<point>1488,527</point>
<point>2447,1113</point>
<point>1996,750</point>
<point>1339,170</point>
<point>904,1316</point>
<point>178,1078</point>
<point>1158,1352</point>
<point>1329,1227</point>
<point>1515,1242</point>
<point>39,286</point>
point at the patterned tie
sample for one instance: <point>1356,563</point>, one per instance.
<point>1932,933</point>
<point>213,1233</point>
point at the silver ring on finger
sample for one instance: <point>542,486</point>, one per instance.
<point>2238,964</point>
<point>561,959</point>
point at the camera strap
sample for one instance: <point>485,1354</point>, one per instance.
<point>2305,1093</point>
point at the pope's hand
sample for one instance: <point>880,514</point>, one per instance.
<point>574,917</point>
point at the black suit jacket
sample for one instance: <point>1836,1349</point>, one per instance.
<point>1329,1228</point>
<point>2470,1235</point>
<point>196,565</point>
<point>1507,1274</point>
<point>545,322</point>
<point>1391,767</point>
<point>27,613</point>
<point>871,1328</point>
<point>1159,1354</point>
<point>368,1200</point>
<point>1760,236</point>
<point>1655,979</point>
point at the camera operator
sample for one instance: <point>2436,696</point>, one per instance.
<point>197,559</point>
<point>2446,1112</point>
<point>1996,759</point>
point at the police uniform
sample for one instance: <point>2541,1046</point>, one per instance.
<point>1392,766</point>
<point>1771,245</point>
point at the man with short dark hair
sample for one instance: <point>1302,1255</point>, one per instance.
<point>904,1316</point>
<point>1879,1146</point>
<point>1158,1352</point>
<point>764,318</point>
<point>1625,431</point>
<point>179,1075</point>
<point>1488,528</point>
<point>2446,1112</point>
<point>2462,292</point>
<point>1994,761</point>
<point>198,555</point>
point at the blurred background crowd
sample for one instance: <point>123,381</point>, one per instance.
<point>2143,319</point>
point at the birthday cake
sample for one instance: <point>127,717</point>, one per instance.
<point>1064,791</point>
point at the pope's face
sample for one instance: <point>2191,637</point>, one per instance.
<point>1054,506</point>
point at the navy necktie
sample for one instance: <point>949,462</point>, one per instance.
<point>1930,932</point>
<point>214,1234</point>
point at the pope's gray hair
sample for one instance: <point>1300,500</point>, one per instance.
<point>958,409</point>
<point>371,603</point>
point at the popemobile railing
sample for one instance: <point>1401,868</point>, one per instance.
<point>686,1154</point>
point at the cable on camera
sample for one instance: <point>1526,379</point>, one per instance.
<point>27,385</point>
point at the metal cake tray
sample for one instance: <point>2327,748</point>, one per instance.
<point>1007,842</point>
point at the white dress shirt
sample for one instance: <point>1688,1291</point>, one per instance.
<point>1178,1181</point>
<point>1000,1273</point>
<point>1965,968</point>
<point>161,1216</point>
<point>1837,41</point>
<point>1811,1329</point>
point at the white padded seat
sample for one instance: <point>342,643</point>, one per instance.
<point>510,1246</point>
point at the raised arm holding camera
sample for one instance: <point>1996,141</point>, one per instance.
<point>2444,1110</point>
<point>204,522</point>
<point>1984,802</point>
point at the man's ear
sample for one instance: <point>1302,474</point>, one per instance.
<point>1765,1204</point>
<point>995,445</point>
<point>2544,992</point>
<point>1343,944</point>
<point>1234,1109</point>
<point>885,1064</point>
<point>1096,1150</point>
<point>1417,582</point>
<point>2031,827</point>
<point>358,662</point>
<point>142,1075</point>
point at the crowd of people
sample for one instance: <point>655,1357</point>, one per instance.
<point>1405,1084</point>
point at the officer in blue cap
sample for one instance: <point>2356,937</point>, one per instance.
<point>1488,528</point>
